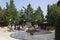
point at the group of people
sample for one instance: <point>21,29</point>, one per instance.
<point>15,27</point>
<point>20,27</point>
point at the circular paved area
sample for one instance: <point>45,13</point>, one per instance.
<point>25,36</point>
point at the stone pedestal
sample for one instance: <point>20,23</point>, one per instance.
<point>28,24</point>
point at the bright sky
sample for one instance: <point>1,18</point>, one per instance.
<point>34,3</point>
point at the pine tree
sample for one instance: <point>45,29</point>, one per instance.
<point>13,11</point>
<point>57,23</point>
<point>38,15</point>
<point>30,11</point>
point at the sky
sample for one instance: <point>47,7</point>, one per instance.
<point>34,3</point>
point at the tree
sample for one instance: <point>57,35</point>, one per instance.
<point>13,12</point>
<point>51,14</point>
<point>58,3</point>
<point>22,16</point>
<point>53,18</point>
<point>57,28</point>
<point>30,10</point>
<point>0,15</point>
<point>3,20</point>
<point>38,15</point>
<point>7,12</point>
<point>57,23</point>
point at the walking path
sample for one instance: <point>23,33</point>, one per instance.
<point>5,36</point>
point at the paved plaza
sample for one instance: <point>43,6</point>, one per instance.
<point>26,36</point>
<point>5,36</point>
<point>21,34</point>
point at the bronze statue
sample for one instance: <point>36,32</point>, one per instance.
<point>28,14</point>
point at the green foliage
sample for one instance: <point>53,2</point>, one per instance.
<point>53,18</point>
<point>57,28</point>
<point>3,19</point>
<point>12,12</point>
<point>21,16</point>
<point>10,15</point>
<point>30,10</point>
<point>58,3</point>
<point>53,11</point>
<point>38,15</point>
<point>57,23</point>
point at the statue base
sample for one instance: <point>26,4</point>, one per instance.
<point>28,24</point>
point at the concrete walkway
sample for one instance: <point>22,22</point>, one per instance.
<point>6,36</point>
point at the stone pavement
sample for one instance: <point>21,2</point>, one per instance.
<point>23,35</point>
<point>6,36</point>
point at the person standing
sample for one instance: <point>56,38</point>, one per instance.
<point>13,27</point>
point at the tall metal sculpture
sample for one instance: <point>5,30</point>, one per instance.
<point>28,23</point>
<point>28,15</point>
